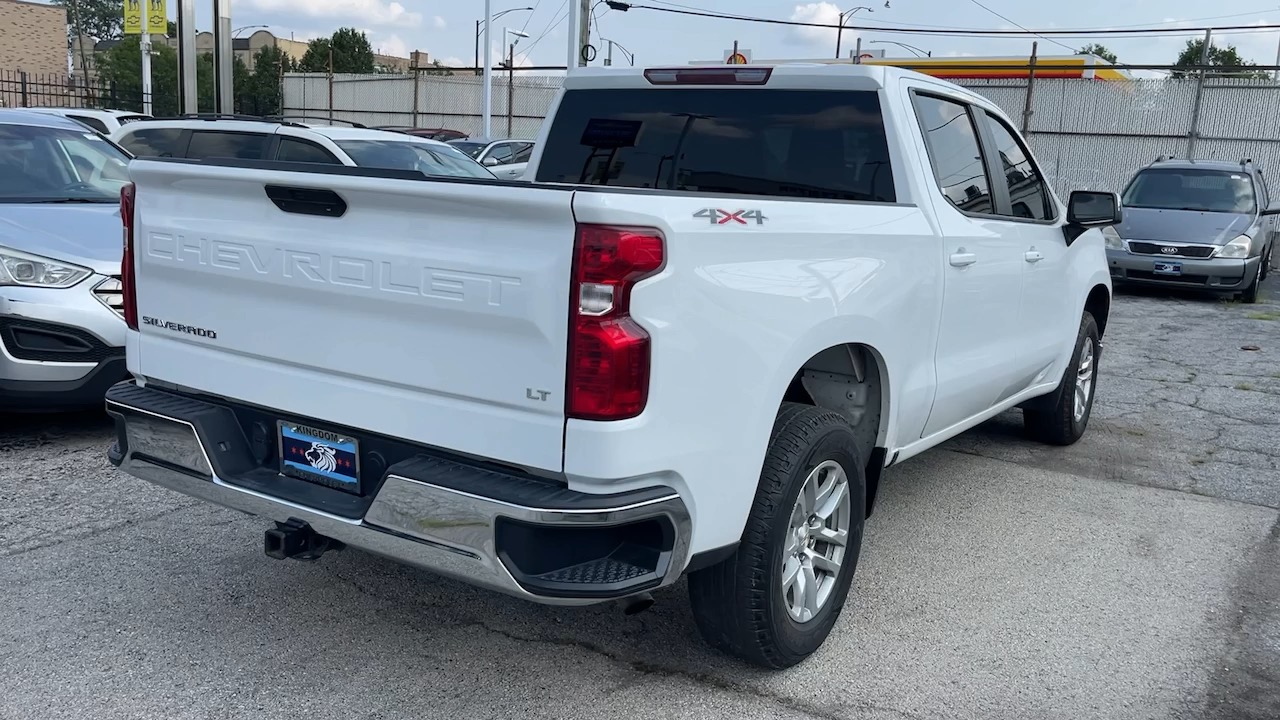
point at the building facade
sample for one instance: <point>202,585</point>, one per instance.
<point>33,38</point>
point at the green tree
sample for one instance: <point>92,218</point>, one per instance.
<point>206,87</point>
<point>1227,56</point>
<point>120,72</point>
<point>1100,50</point>
<point>260,94</point>
<point>437,68</point>
<point>101,19</point>
<point>351,50</point>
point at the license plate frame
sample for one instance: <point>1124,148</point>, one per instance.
<point>1165,267</point>
<point>319,456</point>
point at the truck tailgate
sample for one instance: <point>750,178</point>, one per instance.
<point>432,311</point>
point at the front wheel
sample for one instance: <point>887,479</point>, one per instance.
<point>775,600</point>
<point>1250,294</point>
<point>1066,422</point>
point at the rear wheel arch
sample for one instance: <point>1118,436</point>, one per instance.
<point>851,379</point>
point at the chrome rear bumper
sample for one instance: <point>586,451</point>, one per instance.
<point>419,514</point>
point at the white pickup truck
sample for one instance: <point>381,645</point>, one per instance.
<point>726,300</point>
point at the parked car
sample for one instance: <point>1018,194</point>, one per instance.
<point>766,309</point>
<point>1201,224</point>
<point>441,134</point>
<point>104,121</point>
<point>285,140</point>
<point>62,333</point>
<point>495,153</point>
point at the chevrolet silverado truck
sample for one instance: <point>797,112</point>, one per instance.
<point>722,303</point>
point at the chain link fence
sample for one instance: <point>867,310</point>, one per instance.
<point>427,101</point>
<point>1087,134</point>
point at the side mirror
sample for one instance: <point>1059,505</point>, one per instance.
<point>1088,209</point>
<point>491,161</point>
<point>1273,210</point>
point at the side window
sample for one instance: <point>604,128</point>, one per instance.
<point>954,153</point>
<point>212,144</point>
<point>153,142</point>
<point>94,123</point>
<point>501,153</point>
<point>294,150</point>
<point>523,154</point>
<point>1027,192</point>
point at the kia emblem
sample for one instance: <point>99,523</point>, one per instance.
<point>1169,250</point>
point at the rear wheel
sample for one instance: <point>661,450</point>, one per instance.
<point>775,600</point>
<point>1066,422</point>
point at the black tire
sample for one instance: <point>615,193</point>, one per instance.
<point>1250,294</point>
<point>1059,425</point>
<point>739,603</point>
<point>1266,263</point>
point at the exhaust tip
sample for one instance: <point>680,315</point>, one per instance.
<point>636,604</point>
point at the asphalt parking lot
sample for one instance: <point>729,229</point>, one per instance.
<point>1134,575</point>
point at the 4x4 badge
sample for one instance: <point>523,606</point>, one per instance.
<point>717,216</point>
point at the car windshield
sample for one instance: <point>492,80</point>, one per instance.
<point>472,149</point>
<point>402,155</point>
<point>1197,189</point>
<point>52,164</point>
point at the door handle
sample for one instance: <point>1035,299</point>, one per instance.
<point>962,258</point>
<point>1033,256</point>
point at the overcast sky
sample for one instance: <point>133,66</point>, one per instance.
<point>446,29</point>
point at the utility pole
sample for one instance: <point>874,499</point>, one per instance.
<point>487,99</point>
<point>187,89</point>
<point>477,65</point>
<point>575,52</point>
<point>144,46</point>
<point>1195,108</point>
<point>511,83</point>
<point>584,32</point>
<point>224,94</point>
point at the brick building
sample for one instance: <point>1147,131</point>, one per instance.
<point>33,38</point>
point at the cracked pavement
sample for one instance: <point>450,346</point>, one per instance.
<point>1133,575</point>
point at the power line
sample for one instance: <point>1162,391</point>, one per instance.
<point>1002,17</point>
<point>529,17</point>
<point>555,20</point>
<point>974,32</point>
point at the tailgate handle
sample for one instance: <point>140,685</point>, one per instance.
<point>307,201</point>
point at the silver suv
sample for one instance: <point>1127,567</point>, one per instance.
<point>1200,224</point>
<point>62,334</point>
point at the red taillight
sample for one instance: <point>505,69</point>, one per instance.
<point>609,352</point>
<point>128,287</point>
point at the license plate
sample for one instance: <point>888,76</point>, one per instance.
<point>1168,268</point>
<point>320,456</point>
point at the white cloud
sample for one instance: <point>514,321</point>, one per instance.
<point>455,61</point>
<point>376,12</point>
<point>823,13</point>
<point>391,45</point>
<point>438,23</point>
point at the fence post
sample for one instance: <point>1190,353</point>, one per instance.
<point>1031,86</point>
<point>1195,107</point>
<point>417,79</point>
<point>22,79</point>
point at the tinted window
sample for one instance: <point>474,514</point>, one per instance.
<point>1027,191</point>
<point>210,144</point>
<point>94,123</point>
<point>471,148</point>
<point>954,153</point>
<point>428,159</point>
<point>292,150</point>
<point>523,154</point>
<point>59,165</point>
<point>152,142</point>
<point>1197,189</point>
<point>786,143</point>
<point>501,153</point>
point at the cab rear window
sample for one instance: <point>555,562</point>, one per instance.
<point>812,144</point>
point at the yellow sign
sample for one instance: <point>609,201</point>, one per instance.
<point>157,17</point>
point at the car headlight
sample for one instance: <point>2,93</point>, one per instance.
<point>1112,238</point>
<point>19,268</point>
<point>1237,249</point>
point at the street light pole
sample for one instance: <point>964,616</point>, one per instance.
<point>840,30</point>
<point>511,74</point>
<point>917,51</point>
<point>488,72</point>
